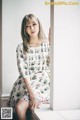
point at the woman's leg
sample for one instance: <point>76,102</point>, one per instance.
<point>21,108</point>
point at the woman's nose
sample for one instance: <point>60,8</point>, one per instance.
<point>31,27</point>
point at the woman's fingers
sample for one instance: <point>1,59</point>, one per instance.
<point>35,105</point>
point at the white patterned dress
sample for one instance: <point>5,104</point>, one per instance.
<point>34,66</point>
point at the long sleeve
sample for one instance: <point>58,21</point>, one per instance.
<point>22,65</point>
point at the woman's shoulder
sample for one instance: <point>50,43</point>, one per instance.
<point>20,46</point>
<point>45,41</point>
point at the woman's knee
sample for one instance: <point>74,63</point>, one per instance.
<point>18,108</point>
<point>21,107</point>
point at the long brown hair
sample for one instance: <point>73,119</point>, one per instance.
<point>25,36</point>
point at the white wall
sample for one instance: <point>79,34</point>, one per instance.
<point>66,54</point>
<point>66,46</point>
<point>13,12</point>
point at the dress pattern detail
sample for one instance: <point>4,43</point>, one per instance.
<point>33,65</point>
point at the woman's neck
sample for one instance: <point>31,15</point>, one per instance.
<point>34,41</point>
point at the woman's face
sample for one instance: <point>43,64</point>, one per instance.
<point>32,28</point>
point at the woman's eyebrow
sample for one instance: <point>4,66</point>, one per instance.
<point>29,23</point>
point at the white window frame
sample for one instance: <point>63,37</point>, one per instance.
<point>51,54</point>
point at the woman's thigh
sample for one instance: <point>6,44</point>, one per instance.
<point>22,105</point>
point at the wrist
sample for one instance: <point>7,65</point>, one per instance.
<point>32,97</point>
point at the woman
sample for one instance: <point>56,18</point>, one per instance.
<point>33,85</point>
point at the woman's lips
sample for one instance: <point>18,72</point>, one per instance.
<point>32,32</point>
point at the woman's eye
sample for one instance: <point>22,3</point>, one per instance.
<point>27,26</point>
<point>34,24</point>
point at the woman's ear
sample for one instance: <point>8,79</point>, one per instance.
<point>49,35</point>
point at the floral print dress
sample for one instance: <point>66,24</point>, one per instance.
<point>34,65</point>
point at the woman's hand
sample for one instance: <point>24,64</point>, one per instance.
<point>33,104</point>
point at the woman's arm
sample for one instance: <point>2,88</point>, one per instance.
<point>49,35</point>
<point>32,103</point>
<point>29,87</point>
<point>22,66</point>
<point>24,72</point>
